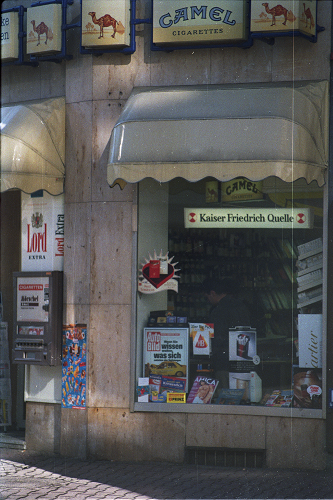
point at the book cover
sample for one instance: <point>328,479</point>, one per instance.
<point>230,397</point>
<point>202,390</point>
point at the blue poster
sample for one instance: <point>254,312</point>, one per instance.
<point>74,350</point>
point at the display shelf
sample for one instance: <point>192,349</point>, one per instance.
<point>310,269</point>
<point>308,286</point>
<point>306,303</point>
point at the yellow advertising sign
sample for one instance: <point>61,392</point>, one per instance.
<point>188,22</point>
<point>9,36</point>
<point>241,189</point>
<point>44,29</point>
<point>289,15</point>
<point>176,397</point>
<point>105,23</point>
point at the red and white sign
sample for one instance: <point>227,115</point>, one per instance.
<point>274,218</point>
<point>43,242</point>
<point>158,274</point>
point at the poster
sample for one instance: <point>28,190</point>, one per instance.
<point>74,366</point>
<point>42,221</point>
<point>33,299</point>
<point>165,352</point>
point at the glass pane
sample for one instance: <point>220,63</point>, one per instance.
<point>263,269</point>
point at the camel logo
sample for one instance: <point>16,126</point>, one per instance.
<point>192,217</point>
<point>105,26</point>
<point>37,220</point>
<point>301,218</point>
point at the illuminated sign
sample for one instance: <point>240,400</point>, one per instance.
<point>188,22</point>
<point>291,15</point>
<point>241,189</point>
<point>273,218</point>
<point>42,239</point>
<point>9,36</point>
<point>105,23</point>
<point>44,29</point>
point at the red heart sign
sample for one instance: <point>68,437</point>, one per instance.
<point>157,282</point>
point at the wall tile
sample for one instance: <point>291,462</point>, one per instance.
<point>79,78</point>
<point>225,431</point>
<point>78,152</point>
<point>77,253</point>
<point>238,65</point>
<point>181,67</point>
<point>46,417</point>
<point>293,443</point>
<point>121,435</point>
<point>109,356</point>
<point>73,433</point>
<point>111,253</point>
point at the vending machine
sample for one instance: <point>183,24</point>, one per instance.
<point>37,318</point>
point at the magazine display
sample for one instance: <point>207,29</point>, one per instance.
<point>230,397</point>
<point>202,390</point>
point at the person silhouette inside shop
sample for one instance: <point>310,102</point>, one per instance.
<point>227,311</point>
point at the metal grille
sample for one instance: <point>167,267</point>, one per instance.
<point>225,457</point>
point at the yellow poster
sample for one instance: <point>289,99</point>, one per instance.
<point>105,23</point>
<point>214,22</point>
<point>285,16</point>
<point>44,29</point>
<point>9,36</point>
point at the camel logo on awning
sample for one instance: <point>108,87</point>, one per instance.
<point>248,218</point>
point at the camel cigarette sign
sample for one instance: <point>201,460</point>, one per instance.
<point>44,29</point>
<point>9,36</point>
<point>105,23</point>
<point>188,22</point>
<point>274,218</point>
<point>288,15</point>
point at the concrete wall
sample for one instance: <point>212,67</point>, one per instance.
<point>98,253</point>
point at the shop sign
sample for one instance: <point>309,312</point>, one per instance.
<point>310,340</point>
<point>9,36</point>
<point>158,274</point>
<point>42,222</point>
<point>273,218</point>
<point>105,23</point>
<point>188,22</point>
<point>44,29</point>
<point>291,15</point>
<point>32,299</point>
<point>241,189</point>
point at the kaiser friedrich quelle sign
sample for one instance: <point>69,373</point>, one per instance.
<point>288,218</point>
<point>189,22</point>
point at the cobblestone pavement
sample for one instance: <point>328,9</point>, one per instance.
<point>29,476</point>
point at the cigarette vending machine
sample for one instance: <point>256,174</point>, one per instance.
<point>37,317</point>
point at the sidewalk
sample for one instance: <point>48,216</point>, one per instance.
<point>25,475</point>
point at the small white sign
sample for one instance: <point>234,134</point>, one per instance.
<point>310,340</point>
<point>289,218</point>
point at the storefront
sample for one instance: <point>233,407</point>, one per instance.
<point>202,162</point>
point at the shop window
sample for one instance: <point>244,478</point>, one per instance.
<point>263,243</point>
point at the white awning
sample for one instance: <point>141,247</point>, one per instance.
<point>223,131</point>
<point>33,146</point>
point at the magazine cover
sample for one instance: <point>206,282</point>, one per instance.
<point>165,352</point>
<point>202,390</point>
<point>307,388</point>
<point>230,397</point>
<point>242,344</point>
